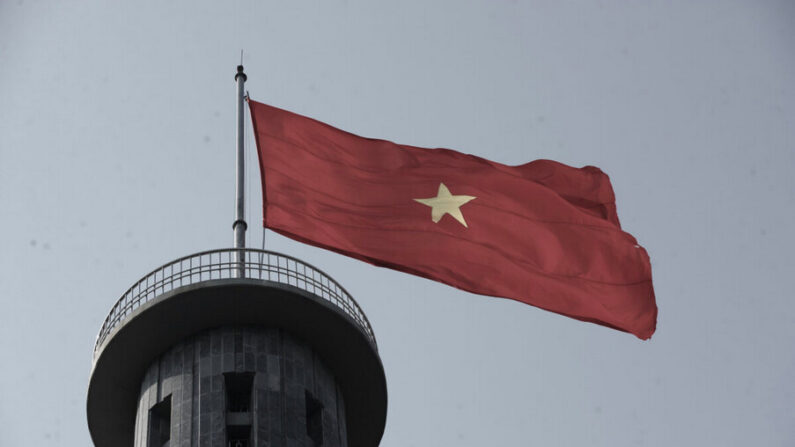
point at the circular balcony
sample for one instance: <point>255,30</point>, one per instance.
<point>231,263</point>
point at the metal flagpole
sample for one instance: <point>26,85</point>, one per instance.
<point>239,227</point>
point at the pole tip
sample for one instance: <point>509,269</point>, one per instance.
<point>240,73</point>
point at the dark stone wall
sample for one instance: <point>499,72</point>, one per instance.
<point>285,369</point>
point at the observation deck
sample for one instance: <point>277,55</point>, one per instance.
<point>233,287</point>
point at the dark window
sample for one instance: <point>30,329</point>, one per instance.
<point>314,419</point>
<point>238,436</point>
<point>238,391</point>
<point>238,407</point>
<point>160,423</point>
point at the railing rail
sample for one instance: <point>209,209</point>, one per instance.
<point>222,264</point>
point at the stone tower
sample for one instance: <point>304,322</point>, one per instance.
<point>236,348</point>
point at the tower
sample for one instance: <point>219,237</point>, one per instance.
<point>236,347</point>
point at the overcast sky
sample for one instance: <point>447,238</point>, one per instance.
<point>117,155</point>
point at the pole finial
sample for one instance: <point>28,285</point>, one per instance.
<point>240,73</point>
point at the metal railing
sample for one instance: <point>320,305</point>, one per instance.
<point>224,264</point>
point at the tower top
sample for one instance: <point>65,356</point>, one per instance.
<point>203,291</point>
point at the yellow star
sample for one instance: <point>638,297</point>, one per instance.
<point>446,203</point>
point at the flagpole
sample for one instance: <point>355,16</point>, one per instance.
<point>239,226</point>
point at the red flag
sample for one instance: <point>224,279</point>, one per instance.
<point>542,233</point>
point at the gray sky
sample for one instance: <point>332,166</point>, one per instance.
<point>117,155</point>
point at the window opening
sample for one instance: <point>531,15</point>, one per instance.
<point>160,423</point>
<point>238,406</point>
<point>238,391</point>
<point>314,419</point>
<point>238,436</point>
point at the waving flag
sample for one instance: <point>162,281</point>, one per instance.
<point>542,233</point>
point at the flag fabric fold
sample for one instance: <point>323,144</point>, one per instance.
<point>541,233</point>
